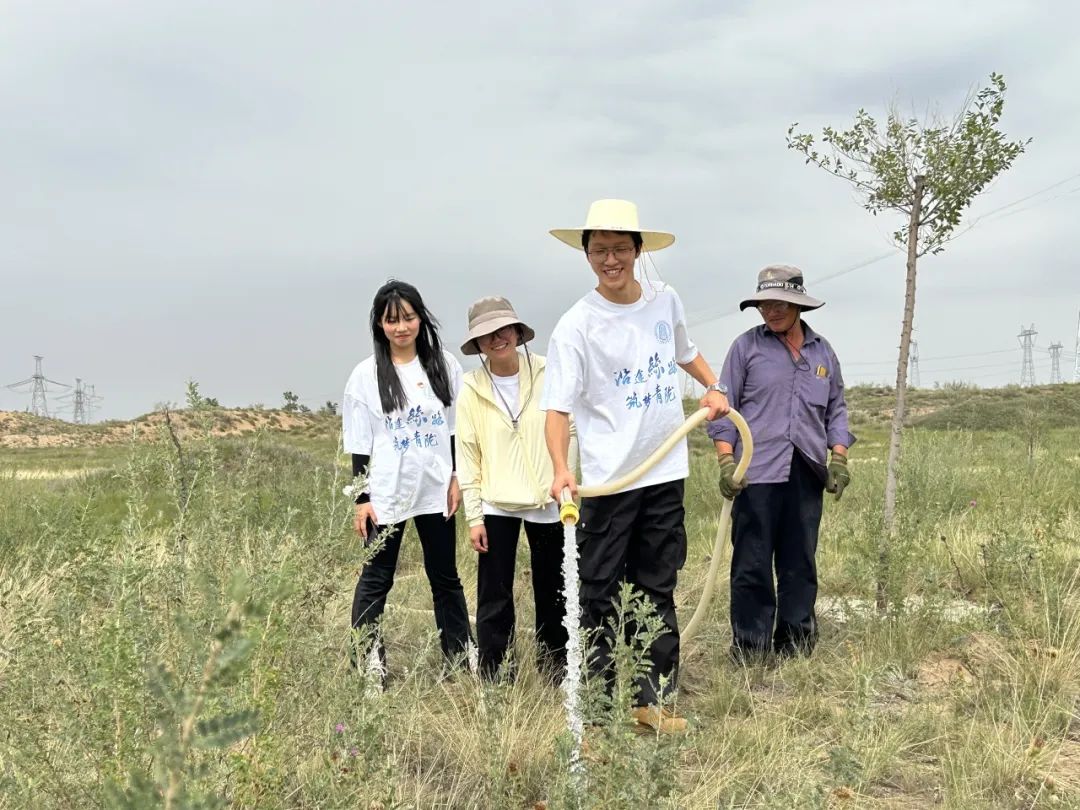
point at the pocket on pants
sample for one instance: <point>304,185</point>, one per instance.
<point>681,546</point>
<point>594,519</point>
<point>599,563</point>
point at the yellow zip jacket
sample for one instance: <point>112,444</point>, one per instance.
<point>508,468</point>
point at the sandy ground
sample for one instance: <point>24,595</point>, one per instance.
<point>842,609</point>
<point>21,430</point>
<point>45,474</point>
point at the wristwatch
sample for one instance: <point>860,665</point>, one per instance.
<point>717,386</point>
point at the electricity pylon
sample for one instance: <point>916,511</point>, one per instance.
<point>39,386</point>
<point>1027,365</point>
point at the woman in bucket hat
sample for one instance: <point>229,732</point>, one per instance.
<point>504,470</point>
<point>784,378</point>
<point>398,416</point>
<point>614,359</point>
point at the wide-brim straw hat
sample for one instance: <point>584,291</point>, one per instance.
<point>488,315</point>
<point>618,216</point>
<point>782,282</point>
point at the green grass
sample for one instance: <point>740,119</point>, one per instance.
<point>216,592</point>
<point>962,407</point>
<point>60,459</point>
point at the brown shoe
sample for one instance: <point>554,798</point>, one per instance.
<point>654,720</point>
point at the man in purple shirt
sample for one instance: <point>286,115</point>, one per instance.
<point>784,378</point>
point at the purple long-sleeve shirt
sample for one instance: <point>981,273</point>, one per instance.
<point>788,404</point>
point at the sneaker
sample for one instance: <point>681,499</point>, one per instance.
<point>654,720</point>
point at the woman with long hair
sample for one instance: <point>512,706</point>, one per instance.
<point>398,417</point>
<point>505,472</point>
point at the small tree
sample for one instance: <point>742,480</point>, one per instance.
<point>929,172</point>
<point>196,401</point>
<point>292,402</point>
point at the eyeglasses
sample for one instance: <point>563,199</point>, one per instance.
<point>774,306</point>
<point>502,333</point>
<point>621,253</point>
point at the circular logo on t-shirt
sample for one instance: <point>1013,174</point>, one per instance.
<point>663,331</point>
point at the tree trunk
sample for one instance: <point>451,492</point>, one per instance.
<point>889,529</point>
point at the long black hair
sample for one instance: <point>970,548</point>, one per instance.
<point>429,348</point>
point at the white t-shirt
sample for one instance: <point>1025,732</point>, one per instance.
<point>410,448</point>
<point>506,393</point>
<point>510,388</point>
<point>615,368</point>
<point>542,514</point>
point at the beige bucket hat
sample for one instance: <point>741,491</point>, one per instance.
<point>491,314</point>
<point>782,282</point>
<point>614,215</point>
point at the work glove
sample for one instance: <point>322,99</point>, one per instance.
<point>729,487</point>
<point>838,476</point>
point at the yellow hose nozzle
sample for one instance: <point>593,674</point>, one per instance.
<point>568,511</point>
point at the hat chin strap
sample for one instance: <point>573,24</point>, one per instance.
<point>788,331</point>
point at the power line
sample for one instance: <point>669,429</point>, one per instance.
<point>1040,202</point>
<point>854,367</point>
<point>973,354</point>
<point>970,368</point>
<point>990,214</point>
<point>870,374</point>
<point>703,316</point>
<point>930,359</point>
<point>1031,196</point>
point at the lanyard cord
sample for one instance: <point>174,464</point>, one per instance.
<point>510,411</point>
<point>788,349</point>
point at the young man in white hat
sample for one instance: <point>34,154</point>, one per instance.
<point>785,380</point>
<point>613,363</point>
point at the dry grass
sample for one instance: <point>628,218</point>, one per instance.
<point>104,579</point>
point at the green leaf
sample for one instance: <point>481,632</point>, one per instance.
<point>232,659</point>
<point>224,730</point>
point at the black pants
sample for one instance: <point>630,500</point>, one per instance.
<point>495,594</point>
<point>776,524</point>
<point>636,537</point>
<point>438,540</point>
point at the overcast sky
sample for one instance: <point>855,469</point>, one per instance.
<point>215,190</point>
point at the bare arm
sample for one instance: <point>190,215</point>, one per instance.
<point>700,370</point>
<point>557,435</point>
